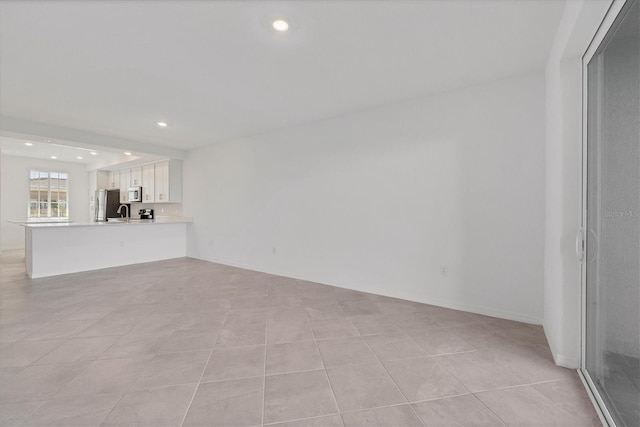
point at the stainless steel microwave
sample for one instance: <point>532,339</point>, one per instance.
<point>135,194</point>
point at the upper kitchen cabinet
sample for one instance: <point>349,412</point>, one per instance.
<point>135,179</point>
<point>114,180</point>
<point>161,182</point>
<point>97,180</point>
<point>125,178</point>
<point>168,181</point>
<point>148,181</point>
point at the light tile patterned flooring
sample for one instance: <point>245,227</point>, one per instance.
<point>192,343</point>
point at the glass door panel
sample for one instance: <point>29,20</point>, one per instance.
<point>612,329</point>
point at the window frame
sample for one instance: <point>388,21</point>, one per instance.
<point>39,171</point>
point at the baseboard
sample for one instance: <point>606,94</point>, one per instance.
<point>454,305</point>
<point>485,311</point>
<point>12,248</point>
<point>566,362</point>
<point>561,359</point>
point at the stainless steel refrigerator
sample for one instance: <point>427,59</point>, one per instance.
<point>107,203</point>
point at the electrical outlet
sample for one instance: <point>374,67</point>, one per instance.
<point>273,249</point>
<point>443,270</point>
<point>210,242</point>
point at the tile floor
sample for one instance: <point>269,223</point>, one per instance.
<point>192,343</point>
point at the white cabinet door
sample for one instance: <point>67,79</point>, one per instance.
<point>168,183</point>
<point>136,177</point>
<point>148,184</point>
<point>124,185</point>
<point>114,180</point>
<point>162,182</point>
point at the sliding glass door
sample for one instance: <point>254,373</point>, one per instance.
<point>611,273</point>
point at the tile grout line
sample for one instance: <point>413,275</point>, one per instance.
<point>76,361</point>
<point>490,410</point>
<point>36,409</point>
<point>454,376</point>
<point>444,354</point>
<point>44,355</point>
<point>32,332</point>
<point>89,362</point>
<point>399,404</point>
<point>395,383</point>
<point>562,408</point>
<point>123,394</point>
<point>519,385</point>
<point>324,366</point>
<point>317,417</point>
<point>203,370</point>
<point>258,376</point>
<point>23,339</point>
<point>468,389</point>
<point>474,394</point>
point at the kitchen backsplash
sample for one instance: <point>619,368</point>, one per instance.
<point>160,209</point>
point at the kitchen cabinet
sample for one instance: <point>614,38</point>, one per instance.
<point>73,247</point>
<point>135,178</point>
<point>168,181</point>
<point>161,181</point>
<point>114,180</point>
<point>148,181</point>
<point>125,177</point>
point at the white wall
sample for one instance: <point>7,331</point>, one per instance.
<point>563,151</point>
<point>378,201</point>
<point>14,194</point>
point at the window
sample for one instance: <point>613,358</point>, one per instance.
<point>48,194</point>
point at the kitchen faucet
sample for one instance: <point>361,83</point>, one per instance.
<point>126,211</point>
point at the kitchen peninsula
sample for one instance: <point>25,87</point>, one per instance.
<point>60,248</point>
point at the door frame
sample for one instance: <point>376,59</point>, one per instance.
<point>616,8</point>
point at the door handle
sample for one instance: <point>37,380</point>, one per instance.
<point>580,244</point>
<point>594,247</point>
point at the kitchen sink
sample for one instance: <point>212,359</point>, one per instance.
<point>120,220</point>
<point>115,220</point>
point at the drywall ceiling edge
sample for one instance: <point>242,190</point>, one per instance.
<point>589,16</point>
<point>10,126</point>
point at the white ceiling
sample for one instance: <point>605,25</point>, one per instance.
<point>45,149</point>
<point>69,151</point>
<point>215,70</point>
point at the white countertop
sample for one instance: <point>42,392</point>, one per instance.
<point>40,221</point>
<point>132,222</point>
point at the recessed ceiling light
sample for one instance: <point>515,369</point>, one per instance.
<point>280,25</point>
<point>93,153</point>
<point>127,153</point>
<point>162,124</point>
<point>79,157</point>
<point>28,144</point>
<point>53,157</point>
